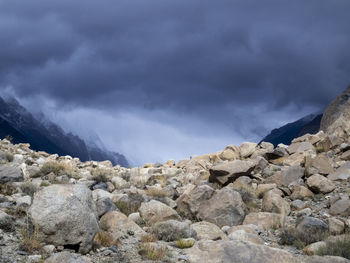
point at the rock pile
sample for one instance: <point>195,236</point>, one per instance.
<point>249,203</point>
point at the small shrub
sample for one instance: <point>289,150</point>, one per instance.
<point>148,238</point>
<point>28,188</point>
<point>167,232</point>
<point>127,208</point>
<point>58,169</point>
<point>44,184</point>
<point>18,212</point>
<point>182,243</point>
<point>100,175</point>
<point>30,241</point>
<point>339,248</point>
<point>105,239</point>
<point>7,189</point>
<point>300,239</point>
<point>153,253</point>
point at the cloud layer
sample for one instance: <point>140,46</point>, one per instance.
<point>199,68</point>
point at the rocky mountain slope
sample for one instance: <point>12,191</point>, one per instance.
<point>285,134</point>
<point>44,135</point>
<point>249,203</point>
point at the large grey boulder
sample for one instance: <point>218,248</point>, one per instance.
<point>227,172</point>
<point>312,225</point>
<point>236,251</point>
<point>65,215</point>
<point>225,208</point>
<point>66,257</point>
<point>10,173</point>
<point>155,211</point>
<point>189,202</point>
<point>341,174</point>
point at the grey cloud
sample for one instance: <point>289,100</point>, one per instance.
<point>204,60</point>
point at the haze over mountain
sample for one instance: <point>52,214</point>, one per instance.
<point>44,135</point>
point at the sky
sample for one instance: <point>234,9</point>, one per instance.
<point>165,79</point>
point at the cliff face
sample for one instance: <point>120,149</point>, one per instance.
<point>336,117</point>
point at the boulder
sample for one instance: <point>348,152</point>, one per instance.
<point>9,173</point>
<point>227,172</point>
<point>7,222</point>
<point>340,207</point>
<point>236,251</point>
<point>265,220</point>
<point>301,192</point>
<point>300,147</point>
<point>230,153</point>
<point>155,211</point>
<point>189,202</point>
<point>119,225</point>
<point>326,259</point>
<point>341,174</point>
<point>247,149</point>
<point>225,208</point>
<point>336,226</point>
<point>66,257</point>
<point>313,247</point>
<point>65,215</point>
<point>172,230</point>
<point>312,225</point>
<point>318,165</point>
<point>105,205</point>
<point>291,174</point>
<point>208,231</point>
<point>274,203</point>
<point>320,184</point>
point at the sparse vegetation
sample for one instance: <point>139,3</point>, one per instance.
<point>184,243</point>
<point>30,241</point>
<point>44,184</point>
<point>58,169</point>
<point>148,238</point>
<point>340,247</point>
<point>100,175</point>
<point>153,252</point>
<point>28,188</point>
<point>127,208</point>
<point>7,189</point>
<point>166,232</point>
<point>300,239</point>
<point>105,239</point>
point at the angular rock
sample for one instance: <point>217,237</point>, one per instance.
<point>340,207</point>
<point>105,205</point>
<point>172,230</point>
<point>65,215</point>
<point>336,226</point>
<point>208,231</point>
<point>320,184</point>
<point>227,172</point>
<point>300,147</point>
<point>318,165</point>
<point>66,257</point>
<point>230,153</point>
<point>189,202</point>
<point>312,225</point>
<point>341,174</point>
<point>247,149</point>
<point>119,225</point>
<point>155,211</point>
<point>225,208</point>
<point>236,251</point>
<point>274,203</point>
<point>301,192</point>
<point>9,173</point>
<point>265,220</point>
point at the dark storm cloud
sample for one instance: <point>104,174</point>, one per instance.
<point>197,56</point>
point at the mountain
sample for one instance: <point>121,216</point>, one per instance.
<point>47,136</point>
<point>285,134</point>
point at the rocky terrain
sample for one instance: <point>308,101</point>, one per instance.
<point>249,203</point>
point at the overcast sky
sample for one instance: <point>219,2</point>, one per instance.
<point>161,79</point>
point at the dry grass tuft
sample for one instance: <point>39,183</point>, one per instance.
<point>339,248</point>
<point>30,241</point>
<point>105,239</point>
<point>299,239</point>
<point>148,238</point>
<point>182,243</point>
<point>152,252</point>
